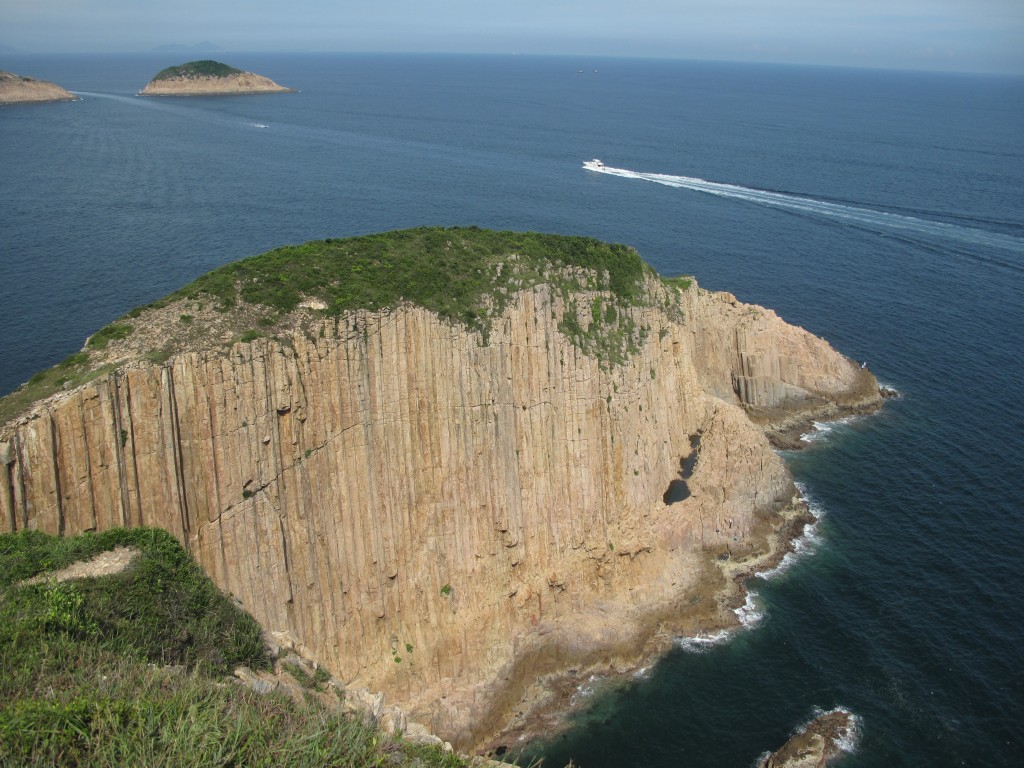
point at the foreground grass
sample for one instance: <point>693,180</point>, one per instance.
<point>131,670</point>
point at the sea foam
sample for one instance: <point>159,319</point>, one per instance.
<point>752,613</point>
<point>821,430</point>
<point>806,544</point>
<point>846,740</point>
<point>703,642</point>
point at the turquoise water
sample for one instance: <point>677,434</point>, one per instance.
<point>881,210</point>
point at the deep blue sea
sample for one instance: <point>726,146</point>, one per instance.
<point>881,210</point>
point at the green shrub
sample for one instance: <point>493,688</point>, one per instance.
<point>112,332</point>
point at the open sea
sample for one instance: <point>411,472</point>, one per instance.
<point>881,210</point>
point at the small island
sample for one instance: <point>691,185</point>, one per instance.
<point>817,744</point>
<point>16,89</point>
<point>208,78</point>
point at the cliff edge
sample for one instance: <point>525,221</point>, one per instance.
<point>450,462</point>
<point>208,78</point>
<point>16,89</point>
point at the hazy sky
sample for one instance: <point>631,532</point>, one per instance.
<point>968,35</point>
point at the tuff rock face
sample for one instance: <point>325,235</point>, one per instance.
<point>443,520</point>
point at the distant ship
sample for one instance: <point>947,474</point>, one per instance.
<point>593,165</point>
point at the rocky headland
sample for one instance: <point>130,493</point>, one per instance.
<point>454,464</point>
<point>16,89</point>
<point>208,78</point>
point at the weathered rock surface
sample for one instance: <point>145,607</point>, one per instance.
<point>242,83</point>
<point>817,744</point>
<point>441,520</point>
<point>15,89</point>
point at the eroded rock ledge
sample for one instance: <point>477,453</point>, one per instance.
<point>439,517</point>
<point>16,89</point>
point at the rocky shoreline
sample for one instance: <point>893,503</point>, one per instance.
<point>788,434</point>
<point>551,701</point>
<point>712,609</point>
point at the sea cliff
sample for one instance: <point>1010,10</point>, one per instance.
<point>208,78</point>
<point>448,511</point>
<point>16,89</point>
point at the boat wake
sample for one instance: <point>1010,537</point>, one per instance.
<point>879,221</point>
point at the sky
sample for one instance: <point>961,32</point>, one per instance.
<point>952,35</point>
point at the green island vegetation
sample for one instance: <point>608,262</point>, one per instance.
<point>466,275</point>
<point>204,68</point>
<point>132,669</point>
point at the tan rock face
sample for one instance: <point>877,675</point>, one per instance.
<point>246,82</point>
<point>15,89</point>
<point>438,519</point>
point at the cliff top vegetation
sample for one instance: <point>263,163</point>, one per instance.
<point>457,272</point>
<point>465,275</point>
<point>203,68</point>
<point>131,669</point>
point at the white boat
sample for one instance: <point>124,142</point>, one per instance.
<point>593,165</point>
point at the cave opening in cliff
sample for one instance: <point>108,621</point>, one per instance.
<point>678,489</point>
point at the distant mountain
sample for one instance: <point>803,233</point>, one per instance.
<point>204,47</point>
<point>9,49</point>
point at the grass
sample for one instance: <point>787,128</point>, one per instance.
<point>129,669</point>
<point>163,609</point>
<point>71,372</point>
<point>203,68</point>
<point>112,332</point>
<point>683,282</point>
